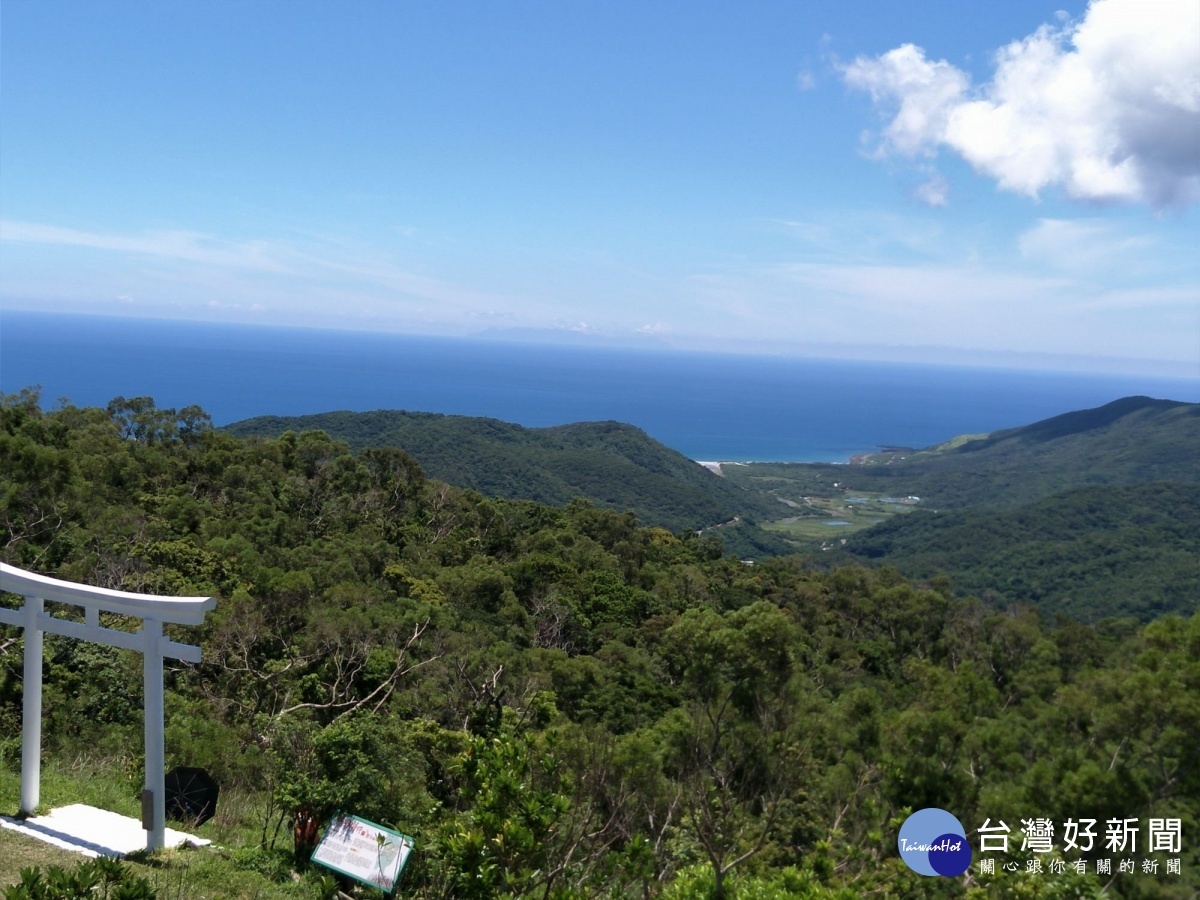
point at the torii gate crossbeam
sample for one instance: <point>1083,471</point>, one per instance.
<point>154,612</point>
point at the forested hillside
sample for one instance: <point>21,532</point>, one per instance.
<point>612,464</point>
<point>1087,514</point>
<point>1086,553</point>
<point>1134,440</point>
<point>559,702</point>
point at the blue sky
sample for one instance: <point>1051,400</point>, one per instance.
<point>1011,183</point>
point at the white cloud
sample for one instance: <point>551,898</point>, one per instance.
<point>925,92</point>
<point>237,307</point>
<point>871,236</point>
<point>1107,108</point>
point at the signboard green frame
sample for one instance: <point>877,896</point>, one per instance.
<point>365,851</point>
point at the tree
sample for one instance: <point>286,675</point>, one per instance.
<point>734,750</point>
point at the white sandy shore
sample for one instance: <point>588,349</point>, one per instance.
<point>714,466</point>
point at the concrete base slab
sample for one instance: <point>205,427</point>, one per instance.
<point>93,832</point>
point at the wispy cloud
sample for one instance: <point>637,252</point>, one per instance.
<point>392,277</point>
<point>185,246</point>
<point>1082,245</point>
<point>985,306</point>
<point>870,236</point>
<point>255,276</point>
<point>850,278</point>
<point>933,192</point>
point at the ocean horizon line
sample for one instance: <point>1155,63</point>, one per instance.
<point>706,406</point>
<point>574,340</point>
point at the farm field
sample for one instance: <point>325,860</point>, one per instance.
<point>829,518</point>
<point>815,504</point>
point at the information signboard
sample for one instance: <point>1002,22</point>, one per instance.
<point>364,851</point>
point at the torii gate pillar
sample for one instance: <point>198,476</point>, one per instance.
<point>150,641</point>
<point>31,712</point>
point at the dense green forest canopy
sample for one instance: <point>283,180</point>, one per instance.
<point>612,464</point>
<point>1089,552</point>
<point>1044,514</point>
<point>560,702</point>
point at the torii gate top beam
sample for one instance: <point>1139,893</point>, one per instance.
<point>177,610</point>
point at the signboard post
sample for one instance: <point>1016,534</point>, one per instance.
<point>364,851</point>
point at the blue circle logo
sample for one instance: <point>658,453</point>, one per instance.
<point>933,842</point>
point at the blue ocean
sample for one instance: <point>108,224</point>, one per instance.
<point>707,406</point>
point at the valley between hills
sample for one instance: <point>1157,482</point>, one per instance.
<point>1092,513</point>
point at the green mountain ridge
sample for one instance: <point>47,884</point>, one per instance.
<point>1082,421</point>
<point>1079,513</point>
<point>1133,440</point>
<point>610,463</point>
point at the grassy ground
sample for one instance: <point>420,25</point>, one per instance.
<point>234,866</point>
<point>18,852</point>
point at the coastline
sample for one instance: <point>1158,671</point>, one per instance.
<point>714,466</point>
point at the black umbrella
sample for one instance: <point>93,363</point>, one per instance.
<point>191,795</point>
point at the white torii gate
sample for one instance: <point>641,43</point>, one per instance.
<point>149,641</point>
